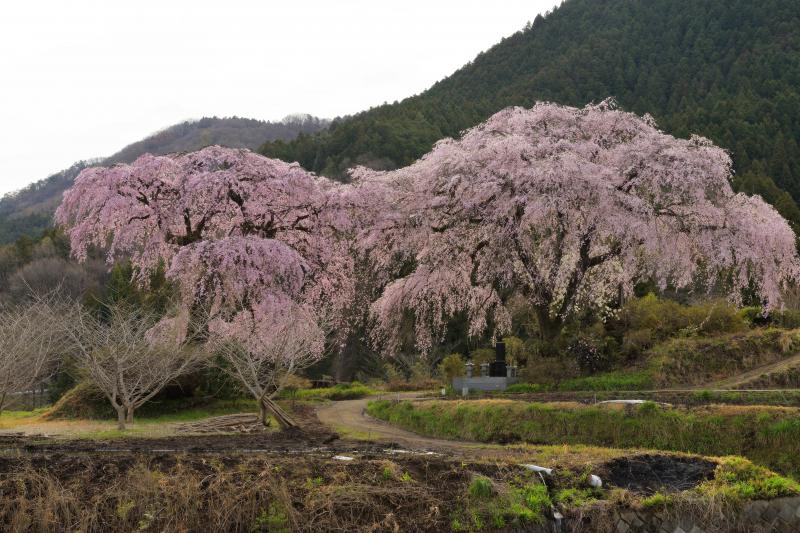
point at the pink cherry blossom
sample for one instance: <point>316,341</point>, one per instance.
<point>238,232</point>
<point>567,207</point>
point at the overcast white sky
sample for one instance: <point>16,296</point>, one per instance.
<point>83,78</point>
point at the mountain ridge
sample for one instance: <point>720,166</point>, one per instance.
<point>725,69</point>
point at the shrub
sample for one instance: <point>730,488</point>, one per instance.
<point>452,366</point>
<point>420,377</point>
<point>84,400</point>
<point>394,376</point>
<point>481,487</point>
<point>754,315</point>
<point>637,341</point>
<point>666,318</point>
<point>549,370</point>
<point>516,352</point>
<point>788,318</point>
<point>480,356</point>
<point>349,391</point>
<point>716,316</point>
<point>293,383</point>
<point>420,372</point>
<point>589,355</point>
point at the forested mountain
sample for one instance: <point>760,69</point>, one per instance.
<point>233,132</point>
<point>725,69</point>
<point>30,210</point>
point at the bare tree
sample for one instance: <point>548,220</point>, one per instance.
<point>30,342</point>
<point>131,354</point>
<point>58,276</point>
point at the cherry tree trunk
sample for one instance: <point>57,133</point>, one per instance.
<point>549,328</point>
<point>284,420</point>
<point>264,414</point>
<point>120,417</point>
<point>342,368</point>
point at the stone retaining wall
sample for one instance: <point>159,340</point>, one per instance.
<point>781,515</point>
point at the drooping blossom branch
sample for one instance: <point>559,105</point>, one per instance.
<point>240,234</point>
<point>261,347</point>
<point>569,208</point>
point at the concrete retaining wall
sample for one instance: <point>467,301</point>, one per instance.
<point>484,383</point>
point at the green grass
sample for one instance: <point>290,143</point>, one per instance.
<point>527,388</point>
<point>768,436</point>
<point>788,398</point>
<point>343,391</point>
<point>611,381</point>
<point>481,487</point>
<point>738,479</point>
<point>523,502</point>
<point>148,426</point>
<point>19,415</point>
<point>215,408</point>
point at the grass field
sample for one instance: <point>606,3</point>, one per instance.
<point>38,422</point>
<point>767,435</point>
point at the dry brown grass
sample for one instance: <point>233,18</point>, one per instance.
<point>212,493</point>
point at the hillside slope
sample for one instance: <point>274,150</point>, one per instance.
<point>30,210</point>
<point>726,69</point>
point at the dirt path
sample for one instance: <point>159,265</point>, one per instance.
<point>348,417</point>
<point>745,377</point>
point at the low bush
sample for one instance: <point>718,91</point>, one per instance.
<point>788,318</point>
<point>666,318</point>
<point>451,367</point>
<point>644,322</point>
<point>517,351</point>
<point>589,354</point>
<point>415,377</point>
<point>549,370</point>
<point>481,356</point>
